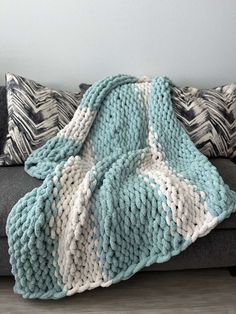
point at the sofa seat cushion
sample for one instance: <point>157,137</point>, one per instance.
<point>15,183</point>
<point>227,170</point>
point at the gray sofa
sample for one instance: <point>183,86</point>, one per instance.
<point>217,249</point>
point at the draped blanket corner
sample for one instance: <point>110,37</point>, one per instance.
<point>124,187</point>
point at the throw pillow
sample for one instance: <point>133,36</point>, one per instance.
<point>35,114</point>
<point>209,118</point>
<point>3,116</point>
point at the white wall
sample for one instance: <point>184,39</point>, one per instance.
<point>64,42</point>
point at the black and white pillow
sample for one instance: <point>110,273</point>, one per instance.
<point>3,116</point>
<point>35,114</point>
<point>209,118</point>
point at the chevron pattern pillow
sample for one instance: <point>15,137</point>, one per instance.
<point>35,114</point>
<point>209,118</point>
<point>3,117</point>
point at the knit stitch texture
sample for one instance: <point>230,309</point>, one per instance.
<point>124,187</point>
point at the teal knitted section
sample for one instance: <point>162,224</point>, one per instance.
<point>101,89</point>
<point>45,159</point>
<point>124,187</point>
<point>31,246</point>
<point>115,115</point>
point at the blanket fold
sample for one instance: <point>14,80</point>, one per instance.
<point>124,187</point>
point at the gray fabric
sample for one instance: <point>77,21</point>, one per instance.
<point>204,253</point>
<point>3,117</point>
<point>227,170</point>
<point>83,87</point>
<point>14,183</point>
<point>5,269</point>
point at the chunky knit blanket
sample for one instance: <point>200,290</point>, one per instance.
<point>124,187</point>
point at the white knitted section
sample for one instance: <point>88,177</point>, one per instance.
<point>144,79</point>
<point>188,212</point>
<point>144,88</point>
<point>86,152</point>
<point>77,247</point>
<point>79,126</point>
